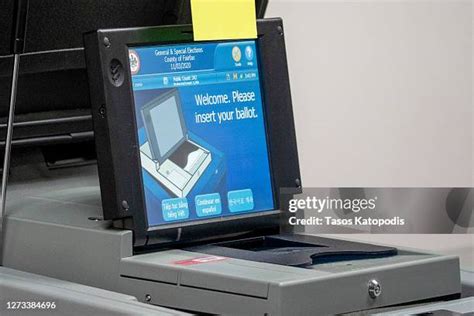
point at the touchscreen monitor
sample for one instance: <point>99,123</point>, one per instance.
<point>201,131</point>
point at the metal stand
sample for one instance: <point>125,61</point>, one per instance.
<point>8,146</point>
<point>8,140</point>
<point>21,13</point>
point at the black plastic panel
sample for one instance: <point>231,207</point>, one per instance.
<point>64,21</point>
<point>6,25</point>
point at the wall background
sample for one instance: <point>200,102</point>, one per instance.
<point>383,97</point>
<point>382,91</point>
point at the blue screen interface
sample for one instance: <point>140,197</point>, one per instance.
<point>201,131</point>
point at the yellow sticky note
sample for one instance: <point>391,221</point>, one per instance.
<point>223,19</point>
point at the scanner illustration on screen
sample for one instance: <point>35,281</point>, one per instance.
<point>169,155</point>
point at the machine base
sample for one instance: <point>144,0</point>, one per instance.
<point>52,231</point>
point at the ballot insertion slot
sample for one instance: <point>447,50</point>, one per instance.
<point>294,250</point>
<point>268,244</point>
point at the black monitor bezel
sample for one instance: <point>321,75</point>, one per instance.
<point>117,140</point>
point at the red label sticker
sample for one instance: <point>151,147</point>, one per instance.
<point>199,260</point>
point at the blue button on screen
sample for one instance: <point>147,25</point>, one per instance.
<point>240,200</point>
<point>175,209</point>
<point>208,204</point>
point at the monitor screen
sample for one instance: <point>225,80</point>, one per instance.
<point>201,131</point>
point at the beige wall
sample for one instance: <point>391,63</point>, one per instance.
<point>382,91</point>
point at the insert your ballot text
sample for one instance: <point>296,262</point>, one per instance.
<point>237,113</point>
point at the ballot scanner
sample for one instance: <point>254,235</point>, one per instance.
<point>210,233</point>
